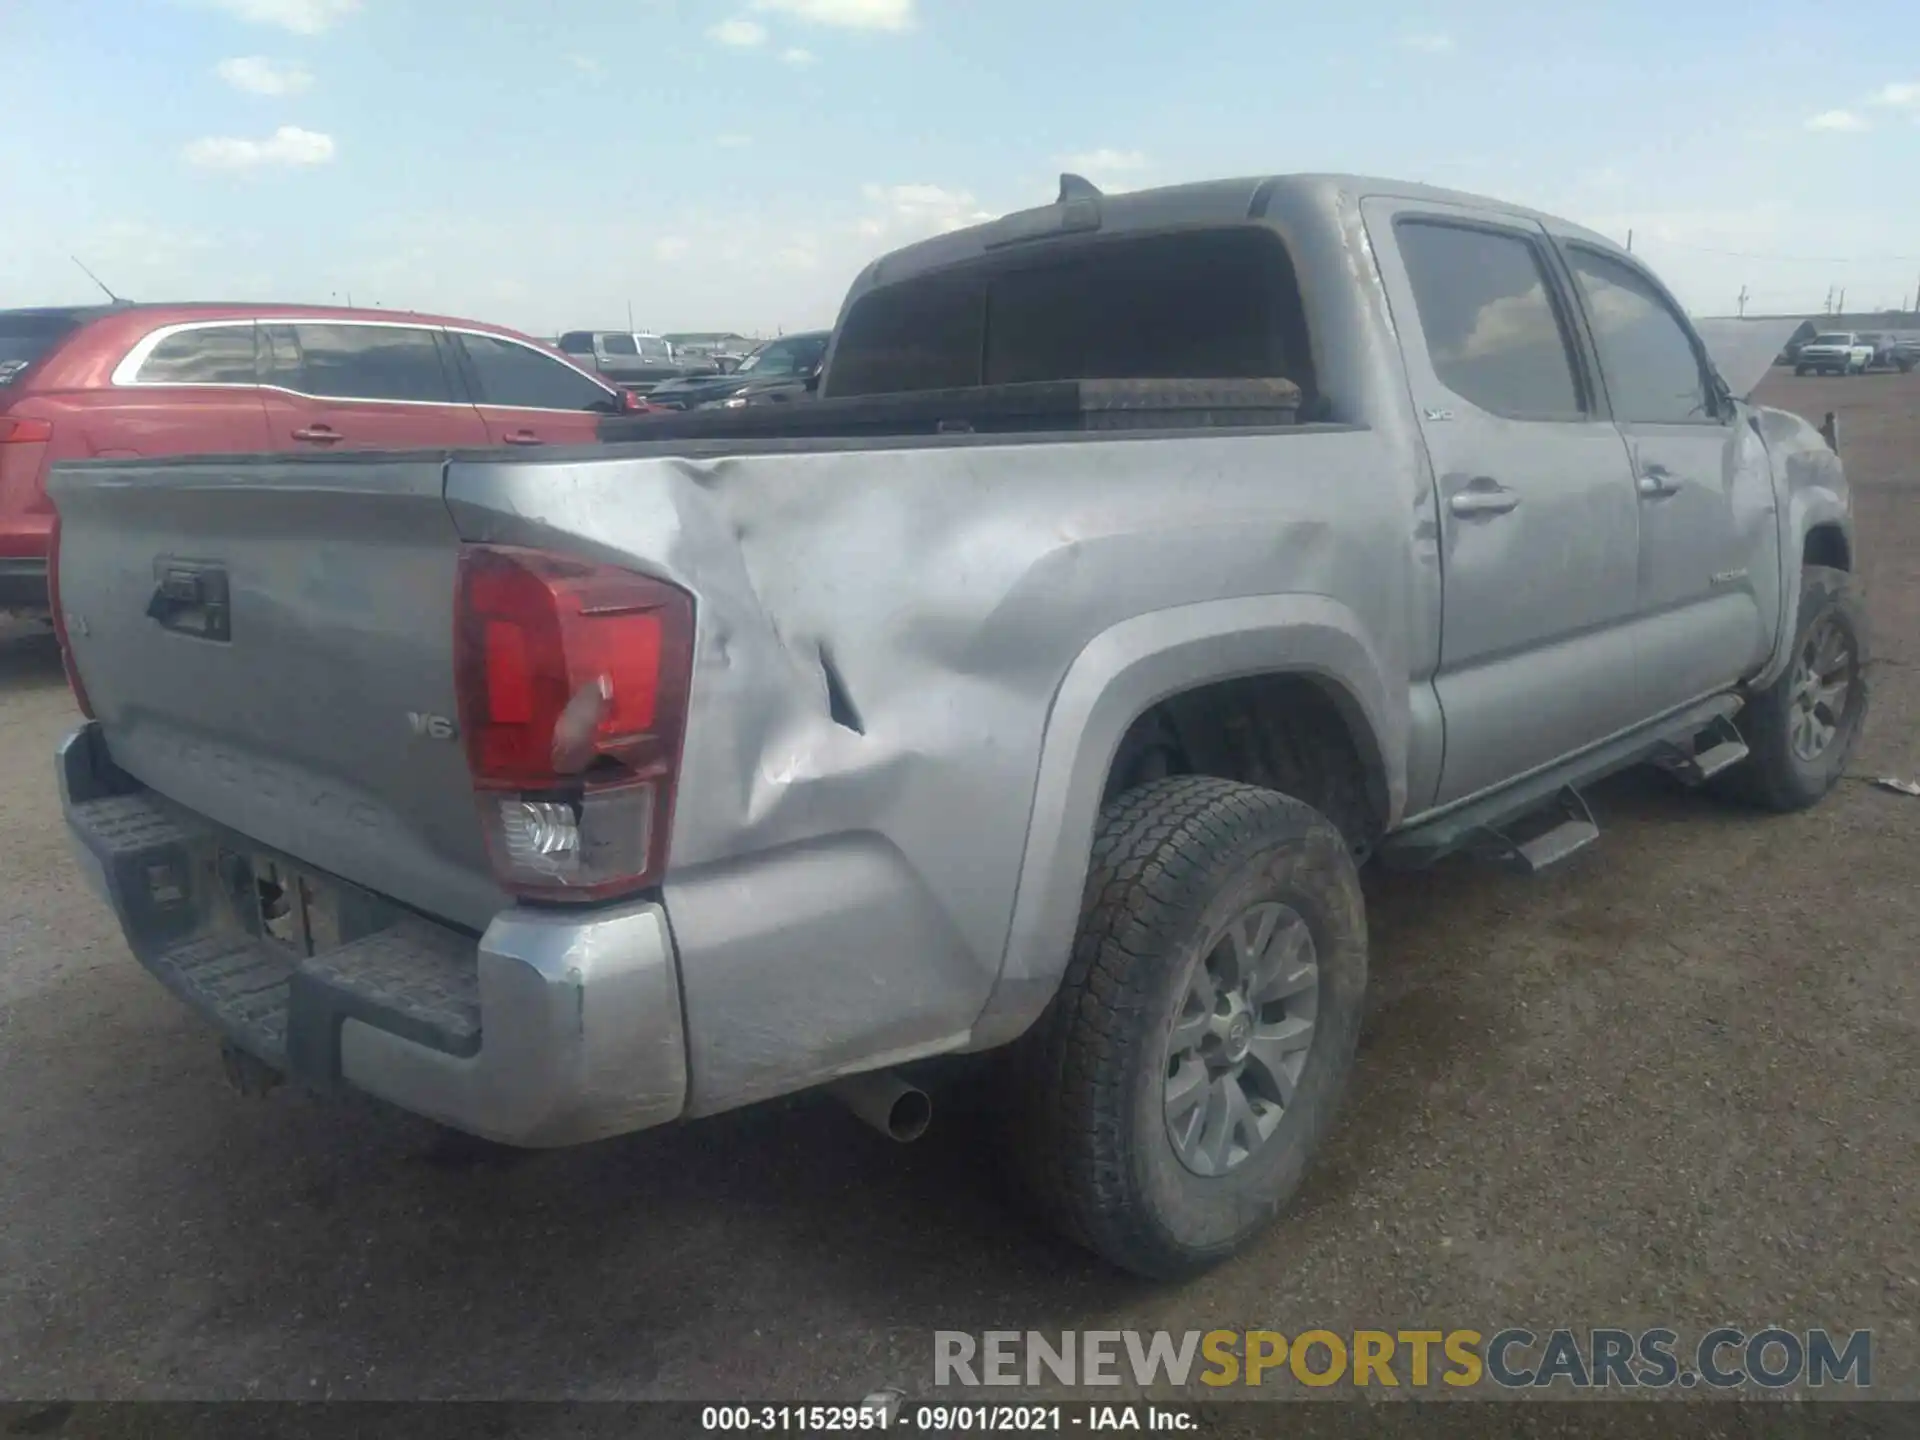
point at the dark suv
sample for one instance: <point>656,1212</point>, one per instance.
<point>783,369</point>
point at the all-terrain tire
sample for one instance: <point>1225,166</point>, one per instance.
<point>1773,775</point>
<point>1174,862</point>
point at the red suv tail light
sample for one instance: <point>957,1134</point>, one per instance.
<point>60,619</point>
<point>573,682</point>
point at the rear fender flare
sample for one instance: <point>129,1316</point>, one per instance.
<point>1117,676</point>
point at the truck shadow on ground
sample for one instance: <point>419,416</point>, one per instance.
<point>29,656</point>
<point>309,1246</point>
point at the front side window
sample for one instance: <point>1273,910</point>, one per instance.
<point>519,377</point>
<point>213,355</point>
<point>619,345</point>
<point>369,362</point>
<point>651,349</point>
<point>786,357</point>
<point>1494,334</point>
<point>1652,370</point>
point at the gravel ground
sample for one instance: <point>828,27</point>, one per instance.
<point>1671,1083</point>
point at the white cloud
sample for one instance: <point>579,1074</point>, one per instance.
<point>1113,171</point>
<point>797,56</point>
<point>742,33</point>
<point>670,247</point>
<point>586,65</point>
<point>1904,95</point>
<point>289,145</point>
<point>1432,42</point>
<point>913,212</point>
<point>845,14</point>
<point>303,17</point>
<point>257,75</point>
<point>1837,120</point>
<point>733,142</point>
<point>1104,162</point>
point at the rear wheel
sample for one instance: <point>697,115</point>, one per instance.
<point>1166,1104</point>
<point>1802,729</point>
<point>1800,370</point>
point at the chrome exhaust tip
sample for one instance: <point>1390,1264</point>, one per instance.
<point>899,1111</point>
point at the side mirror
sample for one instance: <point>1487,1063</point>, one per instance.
<point>813,383</point>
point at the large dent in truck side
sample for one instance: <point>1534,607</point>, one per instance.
<point>842,889</point>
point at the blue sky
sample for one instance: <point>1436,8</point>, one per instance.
<point>731,163</point>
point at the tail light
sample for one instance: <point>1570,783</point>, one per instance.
<point>24,430</point>
<point>573,684</point>
<point>60,619</point>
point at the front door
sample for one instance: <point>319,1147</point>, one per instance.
<point>1539,537</point>
<point>356,385</point>
<point>1709,583</point>
<point>528,397</point>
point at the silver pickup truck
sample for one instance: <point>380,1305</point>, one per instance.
<point>559,795</point>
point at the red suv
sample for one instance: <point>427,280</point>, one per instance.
<point>122,380</point>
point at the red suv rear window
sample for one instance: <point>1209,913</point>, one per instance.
<point>26,336</point>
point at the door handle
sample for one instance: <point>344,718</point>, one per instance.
<point>1657,485</point>
<point>1468,503</point>
<point>317,434</point>
<point>521,437</point>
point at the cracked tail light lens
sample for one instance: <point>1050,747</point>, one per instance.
<point>573,684</point>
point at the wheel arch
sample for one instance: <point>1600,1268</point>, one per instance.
<point>1120,681</point>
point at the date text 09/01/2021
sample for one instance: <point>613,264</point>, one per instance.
<point>943,1419</point>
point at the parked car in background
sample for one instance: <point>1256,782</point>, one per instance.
<point>1892,352</point>
<point>125,380</point>
<point>1840,352</point>
<point>780,370</point>
<point>631,359</point>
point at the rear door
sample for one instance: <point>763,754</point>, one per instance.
<point>182,390</point>
<point>528,397</point>
<point>363,385</point>
<point>1709,581</point>
<point>1538,524</point>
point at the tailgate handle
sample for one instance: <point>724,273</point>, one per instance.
<point>191,599</point>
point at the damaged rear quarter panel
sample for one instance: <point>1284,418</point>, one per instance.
<point>841,897</point>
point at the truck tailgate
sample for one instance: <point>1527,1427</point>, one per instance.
<point>270,643</point>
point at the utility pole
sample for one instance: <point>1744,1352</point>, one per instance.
<point>1743,302</point>
<point>1843,301</point>
<point>629,315</point>
<point>1629,242</point>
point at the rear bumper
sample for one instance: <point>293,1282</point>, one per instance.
<point>23,583</point>
<point>550,1029</point>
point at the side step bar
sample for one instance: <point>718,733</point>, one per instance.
<point>1571,829</point>
<point>1485,824</point>
<point>1694,765</point>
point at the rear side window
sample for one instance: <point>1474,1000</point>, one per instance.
<point>211,355</point>
<point>369,362</point>
<point>577,342</point>
<point>1495,335</point>
<point>25,338</point>
<point>1202,305</point>
<point>1653,372</point>
<point>520,377</point>
<point>619,345</point>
